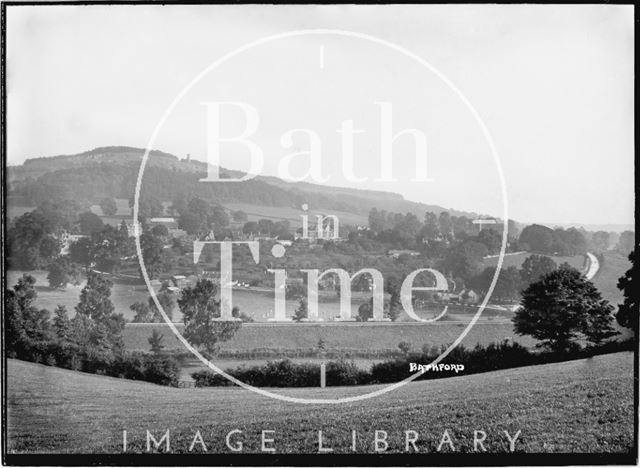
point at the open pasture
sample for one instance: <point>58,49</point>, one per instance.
<point>576,406</point>
<point>355,336</point>
<point>293,215</point>
<point>516,260</point>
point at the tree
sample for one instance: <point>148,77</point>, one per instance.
<point>240,216</point>
<point>395,305</point>
<point>508,284</point>
<point>143,313</point>
<point>80,252</point>
<point>152,254</point>
<point>200,309</point>
<point>108,246</point>
<point>626,241</point>
<point>190,222</point>
<point>90,223</point>
<point>61,323</point>
<point>61,272</point>
<point>404,347</point>
<point>251,228</point>
<point>95,298</point>
<point>365,312</point>
<point>600,241</point>
<point>537,238</point>
<point>302,312</point>
<point>31,242</point>
<point>160,230</point>
<point>536,266</point>
<point>148,207</point>
<point>431,228</point>
<point>446,225</point>
<point>562,306</point>
<point>465,260</point>
<point>491,239</point>
<point>108,206</point>
<point>155,341</point>
<point>16,301</point>
<point>167,301</point>
<point>627,315</point>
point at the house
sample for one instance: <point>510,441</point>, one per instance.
<point>132,228</point>
<point>169,222</point>
<point>177,233</point>
<point>68,239</point>
<point>180,281</point>
<point>468,296</point>
<point>396,253</point>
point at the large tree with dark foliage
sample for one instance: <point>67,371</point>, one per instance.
<point>464,260</point>
<point>628,311</point>
<point>95,322</point>
<point>536,266</point>
<point>108,206</point>
<point>61,272</point>
<point>626,241</point>
<point>537,238</point>
<point>201,315</point>
<point>562,307</point>
<point>90,223</point>
<point>95,297</point>
<point>152,254</point>
<point>31,243</point>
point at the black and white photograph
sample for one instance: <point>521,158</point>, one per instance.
<point>318,235</point>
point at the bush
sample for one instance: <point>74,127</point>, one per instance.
<point>285,373</point>
<point>162,370</point>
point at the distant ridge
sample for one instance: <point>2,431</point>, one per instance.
<point>286,193</point>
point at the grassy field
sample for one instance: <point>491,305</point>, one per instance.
<point>577,406</point>
<point>122,295</point>
<point>614,266</point>
<point>280,213</point>
<point>576,261</point>
<point>355,335</point>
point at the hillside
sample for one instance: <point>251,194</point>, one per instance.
<point>112,171</point>
<point>576,406</point>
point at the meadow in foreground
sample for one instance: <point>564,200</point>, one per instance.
<point>577,406</point>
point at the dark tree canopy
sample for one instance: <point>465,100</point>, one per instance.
<point>302,311</point>
<point>537,238</point>
<point>90,223</point>
<point>201,315</point>
<point>628,311</point>
<point>108,206</point>
<point>30,241</point>
<point>562,307</point>
<point>536,266</point>
<point>626,241</point>
<point>95,298</point>
<point>61,272</point>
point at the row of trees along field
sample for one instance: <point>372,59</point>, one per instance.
<point>445,242</point>
<point>561,310</point>
<point>91,341</point>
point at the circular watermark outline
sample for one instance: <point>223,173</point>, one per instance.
<point>309,32</point>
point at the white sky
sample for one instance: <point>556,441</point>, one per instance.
<point>553,84</point>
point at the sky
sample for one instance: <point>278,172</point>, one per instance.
<point>552,85</point>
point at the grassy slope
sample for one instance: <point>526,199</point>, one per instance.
<point>606,280</point>
<point>578,406</point>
